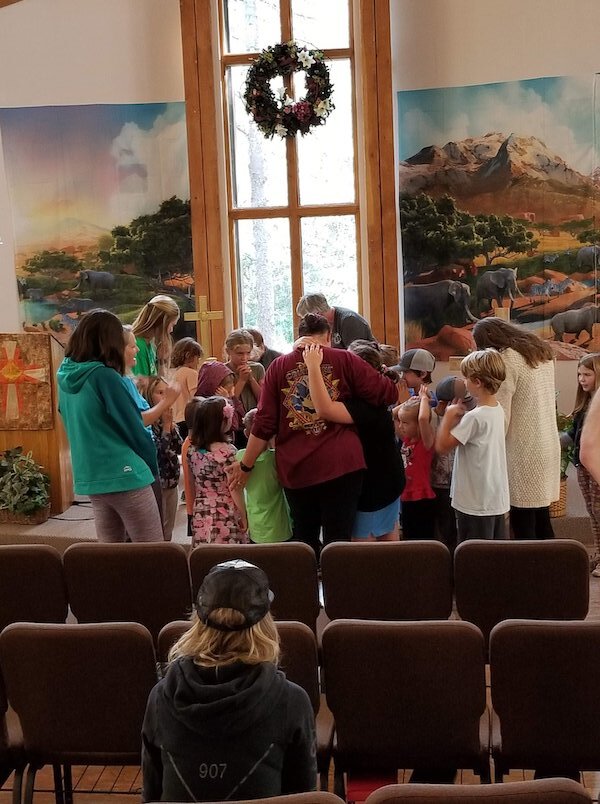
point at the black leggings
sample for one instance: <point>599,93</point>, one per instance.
<point>330,505</point>
<point>531,523</point>
<point>418,519</point>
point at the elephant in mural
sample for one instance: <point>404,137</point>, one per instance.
<point>430,304</point>
<point>35,294</point>
<point>497,285</point>
<point>77,305</point>
<point>94,281</point>
<point>574,322</point>
<point>588,257</point>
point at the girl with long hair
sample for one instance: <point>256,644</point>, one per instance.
<point>224,723</point>
<point>152,329</point>
<point>114,458</point>
<point>532,447</point>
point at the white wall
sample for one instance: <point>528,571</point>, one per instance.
<point>440,43</point>
<point>77,52</point>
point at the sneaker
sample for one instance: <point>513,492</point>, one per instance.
<point>596,572</point>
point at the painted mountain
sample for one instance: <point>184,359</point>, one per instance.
<point>512,175</point>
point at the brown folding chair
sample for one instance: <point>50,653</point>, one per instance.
<point>32,585</point>
<point>295,798</point>
<point>80,692</point>
<point>540,791</point>
<point>299,661</point>
<point>406,695</point>
<point>387,581</point>
<point>537,580</point>
<point>142,583</point>
<point>291,568</point>
<point>545,678</point>
<point>12,754</point>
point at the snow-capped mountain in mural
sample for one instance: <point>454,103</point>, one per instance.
<point>496,173</point>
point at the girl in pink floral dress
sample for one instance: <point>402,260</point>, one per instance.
<point>219,515</point>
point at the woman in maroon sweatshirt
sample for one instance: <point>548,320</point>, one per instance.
<point>320,464</point>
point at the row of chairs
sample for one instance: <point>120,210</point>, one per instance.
<point>156,583</point>
<point>401,695</point>
<point>541,791</point>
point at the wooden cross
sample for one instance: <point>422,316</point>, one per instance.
<point>204,315</point>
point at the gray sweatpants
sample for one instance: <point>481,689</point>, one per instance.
<point>134,513</point>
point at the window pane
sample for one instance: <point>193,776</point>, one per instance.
<point>259,174</point>
<point>251,25</point>
<point>326,155</point>
<point>265,285</point>
<point>321,23</point>
<point>329,259</point>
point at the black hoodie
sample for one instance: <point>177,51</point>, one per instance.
<point>227,733</point>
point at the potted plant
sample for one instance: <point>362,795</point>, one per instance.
<point>24,488</point>
<point>567,448</point>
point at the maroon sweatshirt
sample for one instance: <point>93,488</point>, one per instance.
<point>310,450</point>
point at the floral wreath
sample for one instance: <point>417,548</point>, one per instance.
<point>279,114</point>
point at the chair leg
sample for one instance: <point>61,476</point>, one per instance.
<point>31,772</point>
<point>18,786</point>
<point>68,784</point>
<point>339,788</point>
<point>58,785</point>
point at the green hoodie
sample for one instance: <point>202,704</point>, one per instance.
<point>110,448</point>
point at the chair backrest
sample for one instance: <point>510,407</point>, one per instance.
<point>545,677</point>
<point>538,580</point>
<point>32,585</point>
<point>291,568</point>
<point>142,583</point>
<point>80,691</point>
<point>295,798</point>
<point>404,693</point>
<point>539,791</point>
<point>299,653</point>
<point>388,581</point>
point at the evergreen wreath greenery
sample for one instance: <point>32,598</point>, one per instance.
<point>279,114</point>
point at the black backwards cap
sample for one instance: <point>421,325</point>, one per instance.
<point>236,585</point>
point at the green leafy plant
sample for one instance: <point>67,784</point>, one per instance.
<point>24,486</point>
<point>567,447</point>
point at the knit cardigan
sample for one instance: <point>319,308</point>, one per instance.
<point>532,446</point>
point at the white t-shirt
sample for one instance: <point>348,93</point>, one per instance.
<point>480,478</point>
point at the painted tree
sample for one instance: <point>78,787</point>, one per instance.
<point>502,235</point>
<point>435,232</point>
<point>158,243</point>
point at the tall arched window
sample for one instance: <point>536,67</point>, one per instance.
<point>293,203</point>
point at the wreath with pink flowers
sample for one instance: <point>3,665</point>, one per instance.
<point>278,114</point>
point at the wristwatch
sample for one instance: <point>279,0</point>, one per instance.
<point>245,468</point>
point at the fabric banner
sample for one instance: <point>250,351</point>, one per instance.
<point>499,192</point>
<point>100,202</point>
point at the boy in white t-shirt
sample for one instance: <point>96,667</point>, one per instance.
<point>479,489</point>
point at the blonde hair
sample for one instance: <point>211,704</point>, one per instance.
<point>487,366</point>
<point>209,647</point>
<point>411,406</point>
<point>582,398</point>
<point>153,321</point>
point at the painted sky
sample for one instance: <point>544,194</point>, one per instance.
<point>80,167</point>
<point>559,111</point>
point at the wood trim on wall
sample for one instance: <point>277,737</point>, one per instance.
<point>373,40</point>
<point>203,157</point>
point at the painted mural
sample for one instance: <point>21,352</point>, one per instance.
<point>100,202</point>
<point>499,199</point>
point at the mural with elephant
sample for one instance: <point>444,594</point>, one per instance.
<point>507,213</point>
<point>125,233</point>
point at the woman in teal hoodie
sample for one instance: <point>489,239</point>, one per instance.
<point>114,458</point>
